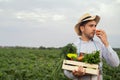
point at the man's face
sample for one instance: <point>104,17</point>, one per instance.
<point>89,29</point>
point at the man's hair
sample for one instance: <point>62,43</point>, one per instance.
<point>83,24</point>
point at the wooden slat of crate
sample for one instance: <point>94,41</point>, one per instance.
<point>80,64</point>
<point>72,65</point>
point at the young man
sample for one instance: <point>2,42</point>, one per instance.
<point>86,29</point>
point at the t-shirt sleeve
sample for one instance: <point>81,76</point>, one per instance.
<point>110,56</point>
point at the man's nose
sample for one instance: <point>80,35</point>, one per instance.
<point>94,28</point>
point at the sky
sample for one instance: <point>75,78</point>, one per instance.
<point>50,23</point>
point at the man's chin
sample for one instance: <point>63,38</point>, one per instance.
<point>91,37</point>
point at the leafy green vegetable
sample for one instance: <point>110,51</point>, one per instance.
<point>69,48</point>
<point>93,58</point>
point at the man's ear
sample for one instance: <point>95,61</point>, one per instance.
<point>81,28</point>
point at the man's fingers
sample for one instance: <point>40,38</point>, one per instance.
<point>79,72</point>
<point>81,69</point>
<point>100,32</point>
<point>84,71</point>
<point>100,36</point>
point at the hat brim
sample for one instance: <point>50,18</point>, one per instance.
<point>77,29</point>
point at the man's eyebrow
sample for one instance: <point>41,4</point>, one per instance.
<point>92,24</point>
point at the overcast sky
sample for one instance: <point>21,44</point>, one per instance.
<point>50,23</point>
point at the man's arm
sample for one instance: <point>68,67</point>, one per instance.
<point>108,53</point>
<point>110,56</point>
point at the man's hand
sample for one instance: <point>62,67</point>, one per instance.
<point>79,72</point>
<point>103,37</point>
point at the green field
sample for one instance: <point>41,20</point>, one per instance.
<point>19,63</point>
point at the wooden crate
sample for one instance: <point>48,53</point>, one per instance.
<point>72,65</point>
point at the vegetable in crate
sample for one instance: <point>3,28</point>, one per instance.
<point>74,56</point>
<point>93,58</point>
<point>69,52</point>
<point>68,49</point>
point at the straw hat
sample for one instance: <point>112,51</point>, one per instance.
<point>85,17</point>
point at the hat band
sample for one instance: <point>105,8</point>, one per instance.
<point>85,18</point>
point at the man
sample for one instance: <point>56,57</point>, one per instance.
<point>86,29</point>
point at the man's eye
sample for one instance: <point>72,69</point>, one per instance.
<point>92,25</point>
